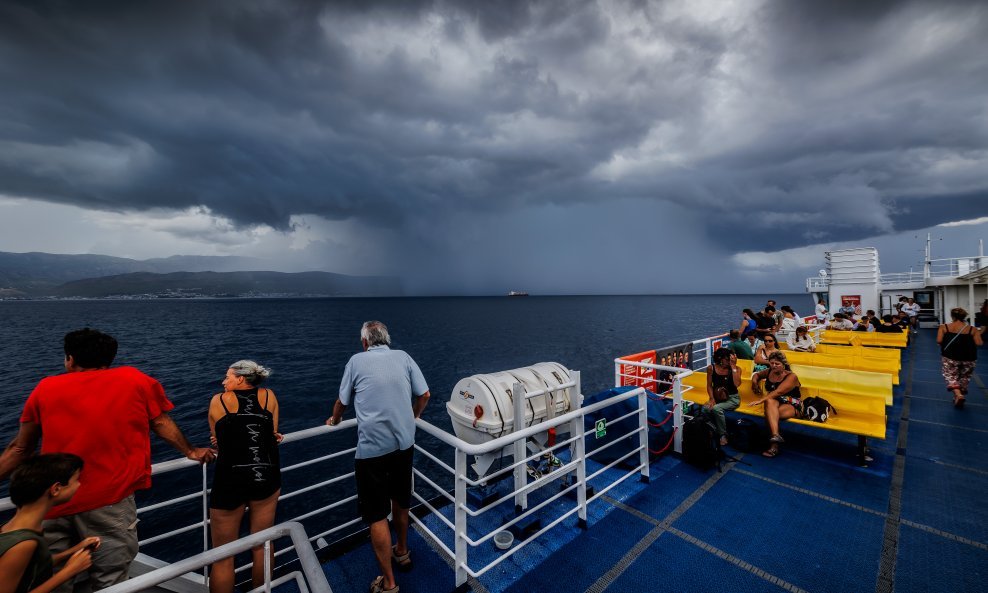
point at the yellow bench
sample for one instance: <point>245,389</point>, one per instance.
<point>865,338</point>
<point>844,381</point>
<point>849,362</point>
<point>889,354</point>
<point>861,414</point>
<point>819,379</point>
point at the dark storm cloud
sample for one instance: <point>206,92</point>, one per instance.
<point>830,120</point>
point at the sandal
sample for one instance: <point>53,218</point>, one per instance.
<point>403,561</point>
<point>377,586</point>
<point>959,402</point>
<point>723,441</point>
<point>771,451</point>
<point>776,438</point>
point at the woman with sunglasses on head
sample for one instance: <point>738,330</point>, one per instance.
<point>780,397</point>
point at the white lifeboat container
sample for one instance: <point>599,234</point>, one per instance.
<point>482,409</point>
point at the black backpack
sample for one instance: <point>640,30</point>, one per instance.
<point>701,447</point>
<point>744,435</point>
<point>816,409</point>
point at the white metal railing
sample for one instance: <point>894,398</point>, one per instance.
<point>312,578</point>
<point>573,471</point>
<point>902,278</point>
<point>634,443</point>
<point>937,268</point>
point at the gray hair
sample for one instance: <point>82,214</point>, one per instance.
<point>252,372</point>
<point>375,333</point>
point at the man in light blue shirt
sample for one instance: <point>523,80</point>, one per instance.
<point>388,391</point>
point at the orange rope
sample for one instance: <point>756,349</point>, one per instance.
<point>666,448</point>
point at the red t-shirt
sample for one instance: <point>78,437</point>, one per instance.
<point>104,417</point>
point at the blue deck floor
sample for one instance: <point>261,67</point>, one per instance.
<point>808,520</point>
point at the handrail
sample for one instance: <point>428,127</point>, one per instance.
<point>300,541</point>
<point>525,485</point>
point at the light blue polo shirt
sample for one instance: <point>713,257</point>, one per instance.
<point>380,383</point>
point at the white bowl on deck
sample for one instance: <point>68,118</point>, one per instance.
<point>503,540</point>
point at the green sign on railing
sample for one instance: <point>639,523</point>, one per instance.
<point>600,428</point>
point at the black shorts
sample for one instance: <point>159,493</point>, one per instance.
<point>381,480</point>
<point>232,490</point>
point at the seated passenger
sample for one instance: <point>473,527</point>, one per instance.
<point>754,343</point>
<point>723,380</point>
<point>800,340</point>
<point>748,323</point>
<point>766,322</point>
<point>864,325</point>
<point>767,348</point>
<point>786,309</point>
<point>26,564</point>
<point>888,326</point>
<point>840,323</point>
<point>243,424</point>
<point>740,348</point>
<point>789,322</point>
<point>780,397</point>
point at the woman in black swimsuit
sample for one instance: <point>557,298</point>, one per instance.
<point>243,424</point>
<point>780,398</point>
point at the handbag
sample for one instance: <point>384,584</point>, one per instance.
<point>720,395</point>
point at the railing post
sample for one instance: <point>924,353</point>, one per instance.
<point>518,447</point>
<point>460,517</point>
<point>643,435</point>
<point>579,453</point>
<point>617,374</point>
<point>677,414</point>
<point>205,520</point>
<point>267,566</point>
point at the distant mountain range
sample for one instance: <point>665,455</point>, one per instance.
<point>94,276</point>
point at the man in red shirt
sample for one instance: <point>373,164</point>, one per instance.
<point>103,415</point>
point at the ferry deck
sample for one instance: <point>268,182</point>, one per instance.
<point>809,520</point>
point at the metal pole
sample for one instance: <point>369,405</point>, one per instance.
<point>518,447</point>
<point>643,435</point>
<point>267,566</point>
<point>579,450</point>
<point>970,294</point>
<point>617,374</point>
<point>205,522</point>
<point>677,414</point>
<point>460,517</point>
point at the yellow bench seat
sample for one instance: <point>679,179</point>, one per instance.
<point>860,414</point>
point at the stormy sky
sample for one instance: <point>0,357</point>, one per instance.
<point>479,147</point>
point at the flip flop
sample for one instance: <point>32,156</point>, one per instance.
<point>402,561</point>
<point>776,438</point>
<point>770,453</point>
<point>959,402</point>
<point>377,586</point>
